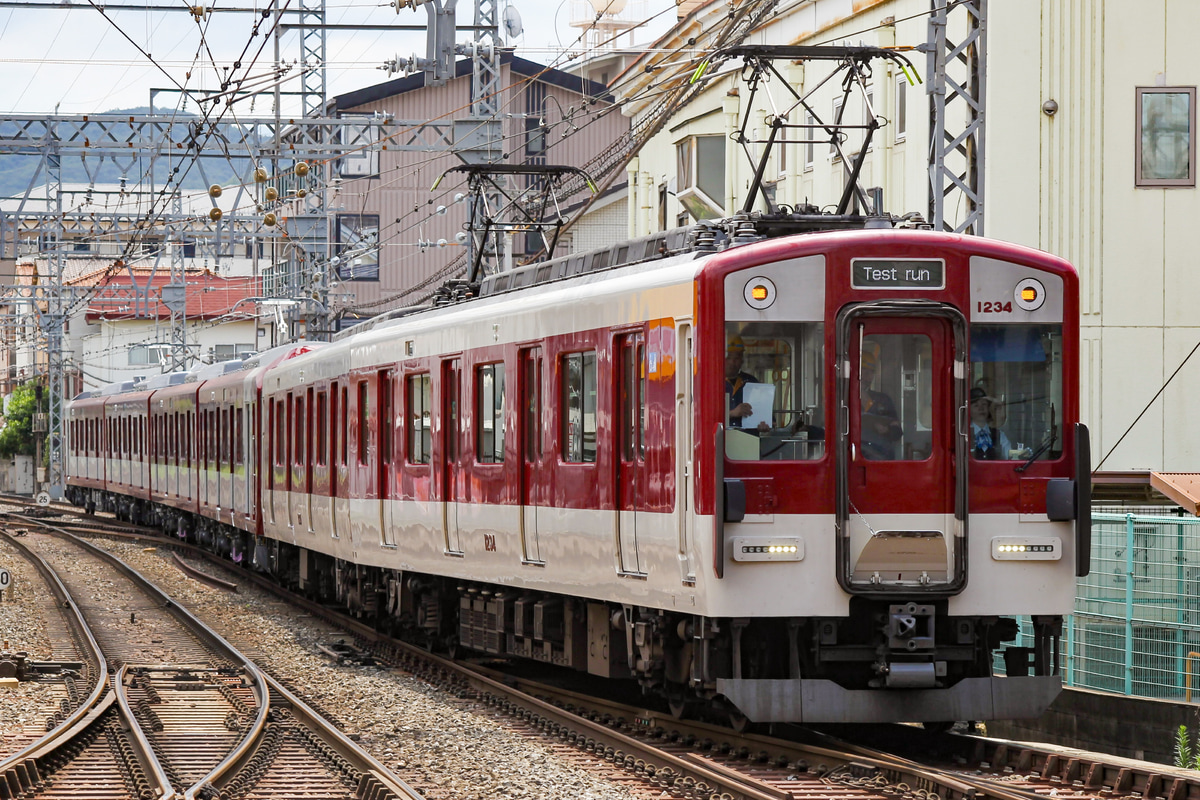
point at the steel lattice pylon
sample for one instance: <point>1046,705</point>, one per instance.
<point>312,50</point>
<point>957,73</point>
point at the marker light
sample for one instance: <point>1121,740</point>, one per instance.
<point>753,548</point>
<point>759,293</point>
<point>1026,548</point>
<point>1030,294</point>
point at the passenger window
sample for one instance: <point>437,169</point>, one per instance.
<point>420,403</point>
<point>895,386</point>
<point>579,408</point>
<point>774,391</point>
<point>489,394</point>
<point>1016,392</point>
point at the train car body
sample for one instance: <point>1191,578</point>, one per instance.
<point>85,455</point>
<point>127,465</point>
<point>747,475</point>
<point>173,435</point>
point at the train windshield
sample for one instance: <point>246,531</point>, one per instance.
<point>773,391</point>
<point>1016,392</point>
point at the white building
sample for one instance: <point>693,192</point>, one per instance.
<point>1090,154</point>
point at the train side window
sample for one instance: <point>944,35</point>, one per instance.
<point>364,416</point>
<point>1017,382</point>
<point>301,424</point>
<point>579,408</point>
<point>387,419</point>
<point>322,430</point>
<point>489,395</point>
<point>774,391</point>
<point>280,432</point>
<point>420,402</point>
<point>241,443</point>
<point>345,418</point>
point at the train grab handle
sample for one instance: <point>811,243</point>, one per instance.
<point>729,499</point>
<point>1068,500</point>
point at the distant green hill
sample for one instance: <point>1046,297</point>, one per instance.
<point>18,170</point>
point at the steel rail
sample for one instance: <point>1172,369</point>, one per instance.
<point>360,759</point>
<point>375,775</point>
<point>165,790</point>
<point>20,769</point>
<point>245,748</point>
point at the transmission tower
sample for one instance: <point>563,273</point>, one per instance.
<point>957,73</point>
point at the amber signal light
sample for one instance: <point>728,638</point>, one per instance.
<point>759,293</point>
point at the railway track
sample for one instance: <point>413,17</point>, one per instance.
<point>183,714</point>
<point>654,755</point>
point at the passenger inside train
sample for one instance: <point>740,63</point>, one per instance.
<point>1019,369</point>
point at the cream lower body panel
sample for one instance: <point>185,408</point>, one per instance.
<point>579,556</point>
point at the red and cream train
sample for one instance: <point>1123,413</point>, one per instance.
<point>557,469</point>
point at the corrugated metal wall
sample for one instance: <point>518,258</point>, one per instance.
<point>401,195</point>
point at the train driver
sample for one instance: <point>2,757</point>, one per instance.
<point>987,440</point>
<point>735,383</point>
<point>880,422</point>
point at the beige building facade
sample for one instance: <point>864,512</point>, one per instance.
<point>1090,155</point>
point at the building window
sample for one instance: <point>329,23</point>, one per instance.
<point>489,396</point>
<point>535,136</point>
<point>579,408</point>
<point>810,134</point>
<point>420,405</point>
<point>700,175</point>
<point>1166,145</point>
<point>901,108</point>
<point>358,247</point>
<point>229,352</point>
<point>148,354</point>
<point>835,140</point>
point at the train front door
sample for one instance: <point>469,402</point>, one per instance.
<point>451,434</point>
<point>631,447</point>
<point>902,454</point>
<point>535,474</point>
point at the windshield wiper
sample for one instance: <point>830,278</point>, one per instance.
<point>1046,445</point>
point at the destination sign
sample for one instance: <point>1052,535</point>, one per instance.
<point>871,273</point>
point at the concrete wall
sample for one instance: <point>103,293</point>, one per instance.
<point>1106,723</point>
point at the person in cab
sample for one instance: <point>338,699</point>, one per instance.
<point>988,442</point>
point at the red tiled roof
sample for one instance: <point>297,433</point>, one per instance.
<point>208,296</point>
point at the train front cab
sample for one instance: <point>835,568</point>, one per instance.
<point>899,537</point>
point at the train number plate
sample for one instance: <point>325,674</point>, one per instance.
<point>756,548</point>
<point>1026,548</point>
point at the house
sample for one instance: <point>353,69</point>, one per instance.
<point>396,238</point>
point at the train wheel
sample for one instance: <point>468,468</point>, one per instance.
<point>677,700</point>
<point>737,720</point>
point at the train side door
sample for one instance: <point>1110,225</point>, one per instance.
<point>451,385</point>
<point>684,453</point>
<point>386,477</point>
<point>297,499</point>
<point>308,457</point>
<point>902,478</point>
<point>535,474</point>
<point>631,447</point>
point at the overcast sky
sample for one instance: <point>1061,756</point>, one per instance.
<point>82,61</point>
